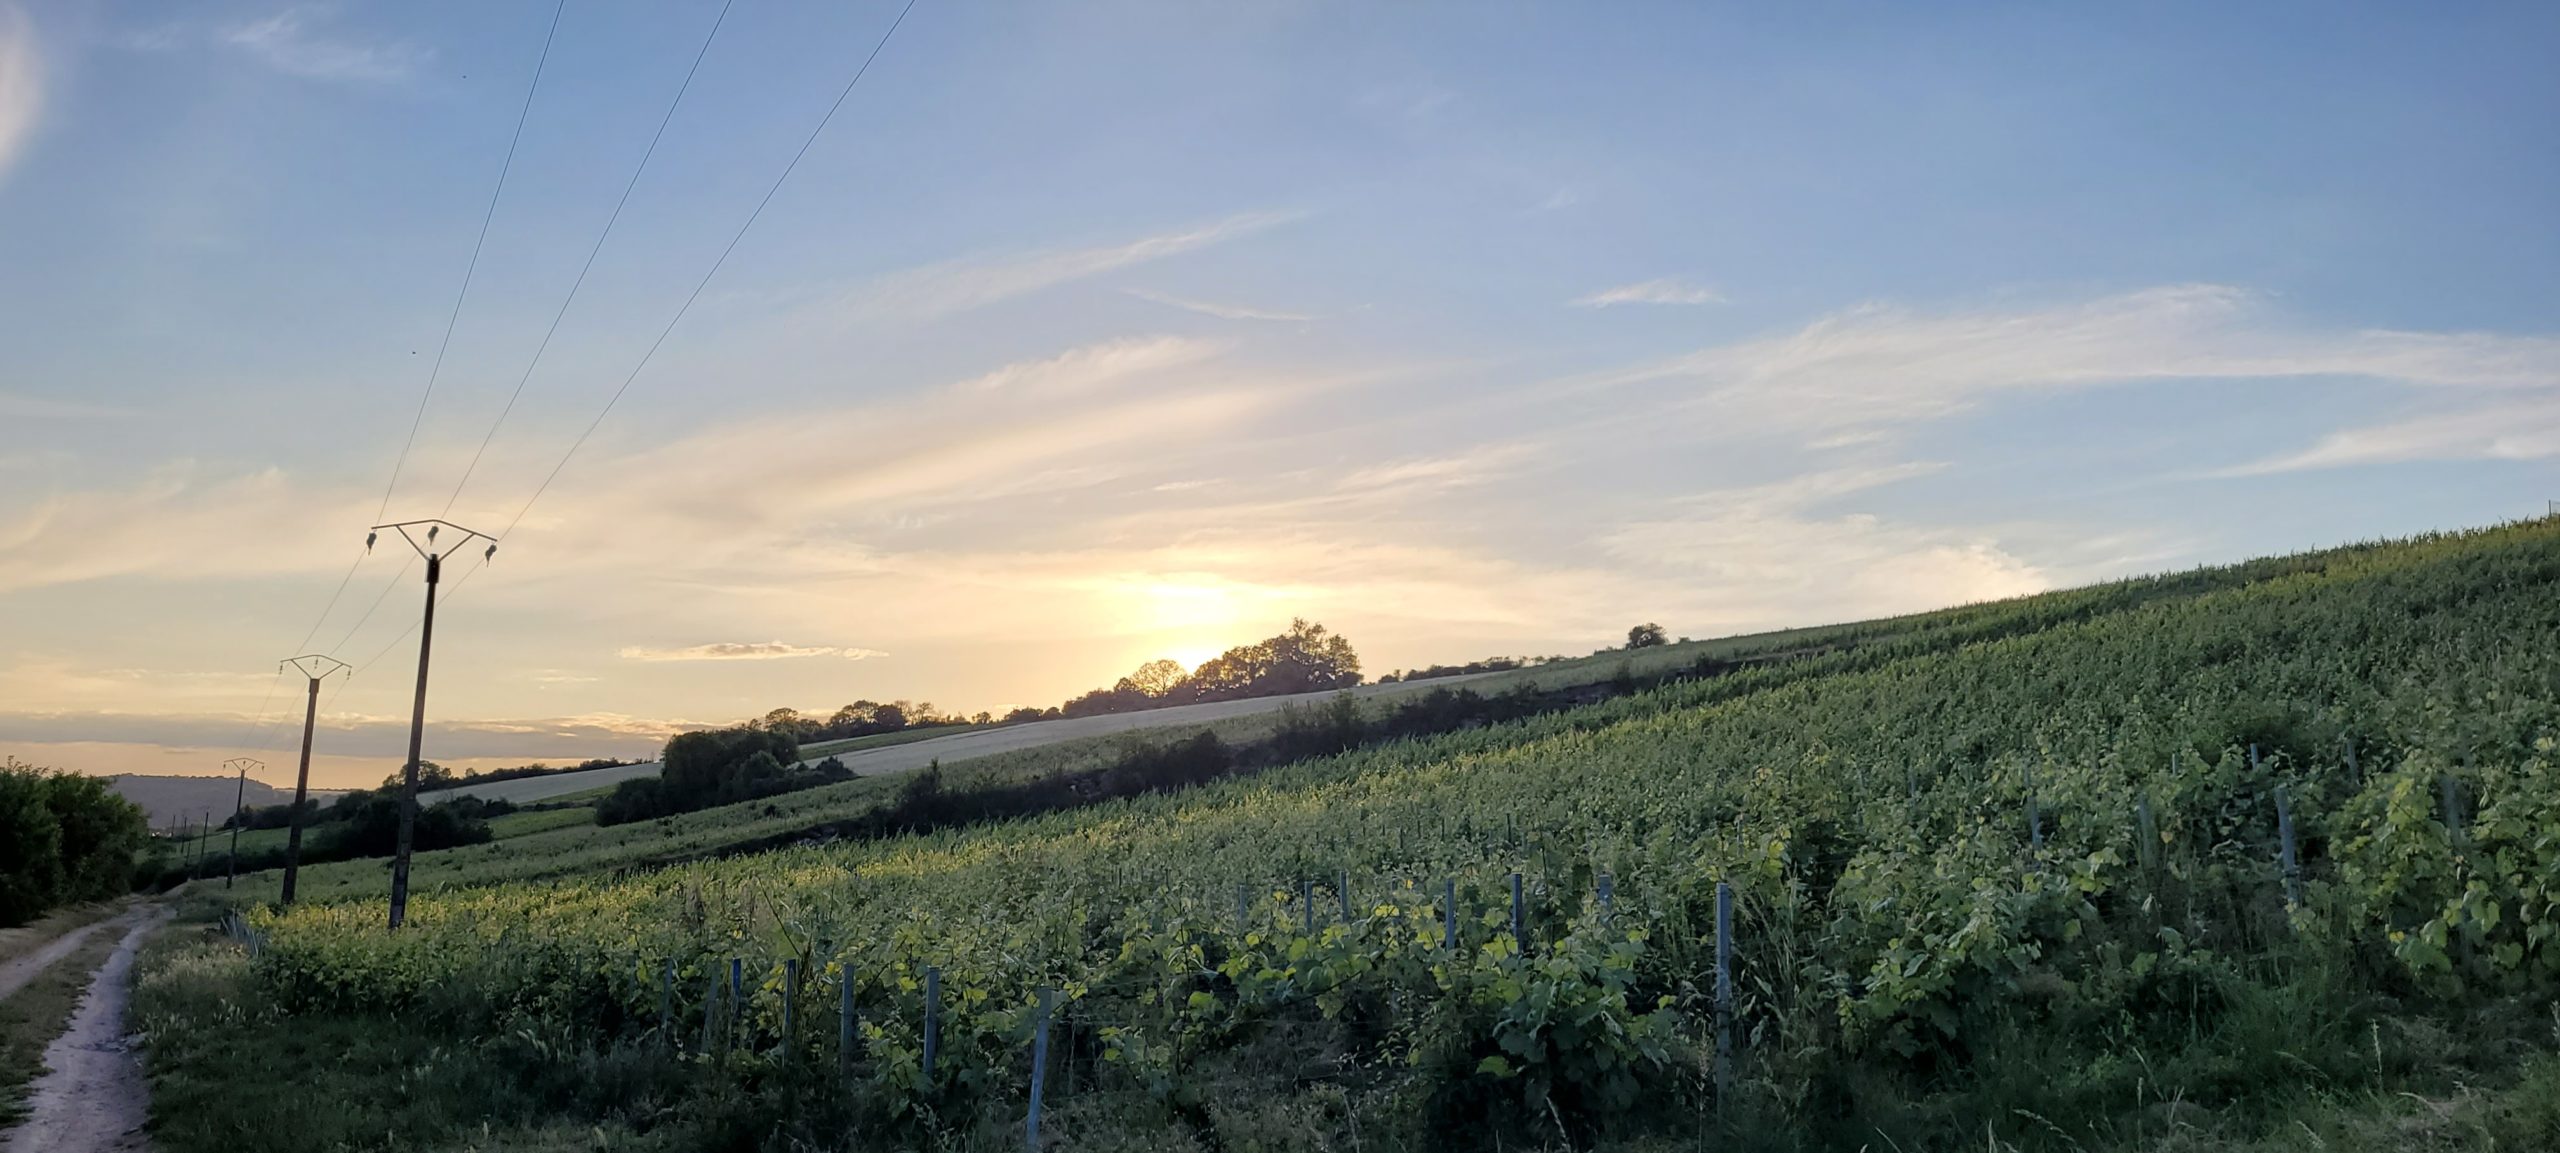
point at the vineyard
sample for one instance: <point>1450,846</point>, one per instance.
<point>2053,873</point>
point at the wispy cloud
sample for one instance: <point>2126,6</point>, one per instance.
<point>1210,308</point>
<point>1881,366</point>
<point>748,651</point>
<point>1668,290</point>
<point>959,285</point>
<point>290,42</point>
<point>1762,549</point>
<point>21,84</point>
<point>2517,427</point>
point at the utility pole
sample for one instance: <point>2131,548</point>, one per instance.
<point>239,814</point>
<point>204,833</point>
<point>421,535</point>
<point>315,668</point>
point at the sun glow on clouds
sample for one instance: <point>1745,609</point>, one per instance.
<point>1139,497</point>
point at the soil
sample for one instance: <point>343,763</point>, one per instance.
<point>93,1098</point>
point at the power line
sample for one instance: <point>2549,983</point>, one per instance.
<point>332,605</point>
<point>705,282</point>
<point>583,269</point>
<point>437,368</point>
<point>441,597</point>
<point>378,598</point>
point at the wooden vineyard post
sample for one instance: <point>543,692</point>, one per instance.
<point>1039,1070</point>
<point>1607,892</point>
<point>790,1004</point>
<point>2457,835</point>
<point>2147,833</point>
<point>1519,924</point>
<point>667,1003</point>
<point>1307,902</point>
<point>844,1015</point>
<point>2292,864</point>
<point>1342,889</point>
<point>2355,772</point>
<point>2035,820</point>
<point>737,998</point>
<point>710,1010</point>
<point>1449,914</point>
<point>932,1019</point>
<point>1724,992</point>
<point>1242,901</point>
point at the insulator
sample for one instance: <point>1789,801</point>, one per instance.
<point>493,551</point>
<point>368,541</point>
<point>431,534</point>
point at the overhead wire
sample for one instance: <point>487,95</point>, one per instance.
<point>436,369</point>
<point>592,252</point>
<point>624,387</point>
<point>716,265</point>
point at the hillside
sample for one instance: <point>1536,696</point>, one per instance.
<point>2269,842</point>
<point>172,800</point>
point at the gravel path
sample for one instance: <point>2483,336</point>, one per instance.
<point>92,1098</point>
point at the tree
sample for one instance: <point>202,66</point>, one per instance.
<point>30,846</point>
<point>1645,636</point>
<point>430,776</point>
<point>1155,678</point>
<point>703,766</point>
<point>1305,659</point>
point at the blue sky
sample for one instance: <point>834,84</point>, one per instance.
<point>1091,333</point>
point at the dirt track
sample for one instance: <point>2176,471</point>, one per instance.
<point>15,974</point>
<point>92,1098</point>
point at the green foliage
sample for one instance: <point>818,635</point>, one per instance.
<point>1907,932</point>
<point>64,838</point>
<point>717,767</point>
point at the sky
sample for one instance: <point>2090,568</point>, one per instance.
<point>1088,334</point>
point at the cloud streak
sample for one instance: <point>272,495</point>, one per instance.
<point>938,290</point>
<point>1668,290</point>
<point>1882,366</point>
<point>1221,311</point>
<point>748,651</point>
<point>289,42</point>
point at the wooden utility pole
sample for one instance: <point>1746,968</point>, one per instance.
<point>421,535</point>
<point>315,668</point>
<point>204,833</point>
<point>239,815</point>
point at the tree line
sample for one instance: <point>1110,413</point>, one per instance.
<point>64,838</point>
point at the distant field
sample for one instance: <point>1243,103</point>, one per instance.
<point>816,750</point>
<point>522,824</point>
<point>1008,753</point>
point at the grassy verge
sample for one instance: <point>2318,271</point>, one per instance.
<point>27,938</point>
<point>32,1017</point>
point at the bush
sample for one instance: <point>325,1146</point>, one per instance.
<point>63,838</point>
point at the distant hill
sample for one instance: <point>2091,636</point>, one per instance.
<point>185,800</point>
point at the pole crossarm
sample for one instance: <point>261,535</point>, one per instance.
<point>245,764</point>
<point>315,666</point>
<point>423,535</point>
